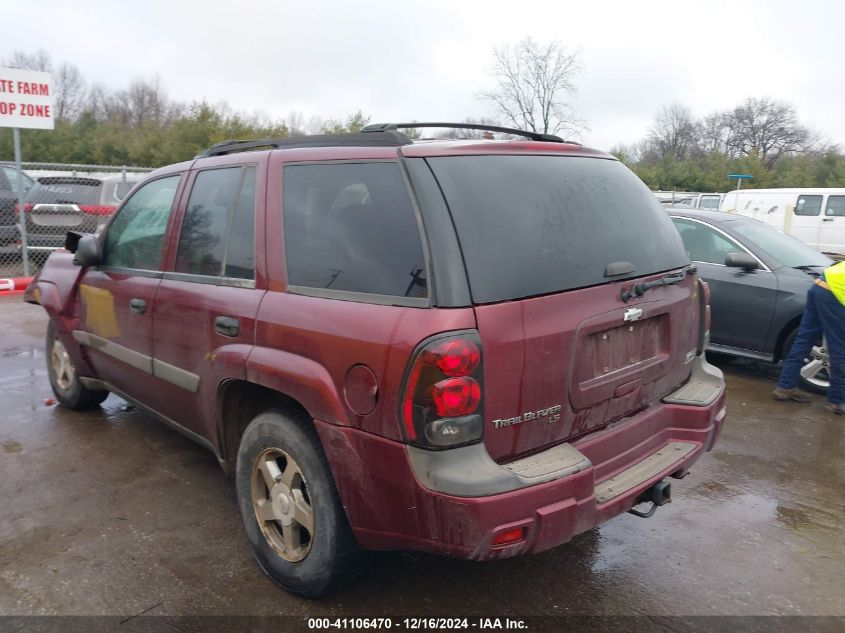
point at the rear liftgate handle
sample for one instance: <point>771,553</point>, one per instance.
<point>227,326</point>
<point>138,306</point>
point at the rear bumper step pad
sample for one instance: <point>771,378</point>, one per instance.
<point>643,471</point>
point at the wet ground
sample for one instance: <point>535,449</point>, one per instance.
<point>112,513</point>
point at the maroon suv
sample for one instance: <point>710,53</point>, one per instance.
<point>473,348</point>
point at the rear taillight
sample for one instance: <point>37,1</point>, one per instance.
<point>26,207</point>
<point>97,209</point>
<point>509,537</point>
<point>441,402</point>
<point>704,304</point>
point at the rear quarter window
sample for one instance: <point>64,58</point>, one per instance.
<point>351,227</point>
<point>533,225</point>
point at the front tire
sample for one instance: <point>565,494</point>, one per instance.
<point>290,506</point>
<point>64,379</point>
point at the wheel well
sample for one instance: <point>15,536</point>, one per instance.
<point>238,402</point>
<point>790,327</point>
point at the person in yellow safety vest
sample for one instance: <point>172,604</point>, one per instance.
<point>823,315</point>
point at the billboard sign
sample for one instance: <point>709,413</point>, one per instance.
<point>26,99</point>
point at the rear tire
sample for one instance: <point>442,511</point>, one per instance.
<point>290,506</point>
<point>64,379</point>
<point>814,375</point>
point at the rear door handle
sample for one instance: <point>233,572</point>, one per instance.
<point>227,326</point>
<point>138,306</point>
<point>827,219</point>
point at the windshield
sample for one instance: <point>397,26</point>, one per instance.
<point>532,225</point>
<point>784,248</point>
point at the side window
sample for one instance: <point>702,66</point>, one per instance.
<point>12,178</point>
<point>704,244</point>
<point>217,236</point>
<point>709,202</point>
<point>351,227</point>
<point>136,235</point>
<point>835,205</point>
<point>240,252</point>
<point>808,205</point>
<point>202,240</point>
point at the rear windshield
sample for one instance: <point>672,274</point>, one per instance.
<point>65,191</point>
<point>532,225</point>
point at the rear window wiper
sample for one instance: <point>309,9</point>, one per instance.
<point>638,290</point>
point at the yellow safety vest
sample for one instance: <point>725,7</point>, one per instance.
<point>835,278</point>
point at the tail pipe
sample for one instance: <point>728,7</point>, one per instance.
<point>658,495</point>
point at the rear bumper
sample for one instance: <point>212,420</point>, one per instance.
<point>390,504</point>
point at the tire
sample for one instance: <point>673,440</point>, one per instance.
<point>283,476</point>
<point>815,366</point>
<point>64,379</point>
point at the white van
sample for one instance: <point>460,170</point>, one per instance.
<point>814,216</point>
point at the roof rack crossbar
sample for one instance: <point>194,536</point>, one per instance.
<point>389,138</point>
<point>534,136</point>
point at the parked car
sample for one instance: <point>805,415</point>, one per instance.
<point>758,279</point>
<point>814,216</point>
<point>57,204</point>
<point>8,203</point>
<point>471,348</point>
<point>700,201</point>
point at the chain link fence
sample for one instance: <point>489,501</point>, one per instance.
<point>58,198</point>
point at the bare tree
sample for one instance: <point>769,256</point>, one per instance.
<point>767,128</point>
<point>295,122</point>
<point>39,60</point>
<point>630,153</point>
<point>534,82</point>
<point>467,132</point>
<point>70,92</point>
<point>673,133</point>
<point>712,133</point>
<point>145,101</point>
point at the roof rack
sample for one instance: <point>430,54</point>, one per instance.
<point>388,138</point>
<point>534,136</point>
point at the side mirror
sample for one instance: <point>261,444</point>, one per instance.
<point>72,240</point>
<point>87,251</point>
<point>741,260</point>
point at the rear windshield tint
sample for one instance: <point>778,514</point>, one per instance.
<point>65,192</point>
<point>533,225</point>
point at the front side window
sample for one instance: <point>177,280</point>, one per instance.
<point>351,227</point>
<point>835,205</point>
<point>135,237</point>
<point>808,205</point>
<point>704,244</point>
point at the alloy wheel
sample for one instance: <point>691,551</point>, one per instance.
<point>61,366</point>
<point>282,504</point>
<point>815,371</point>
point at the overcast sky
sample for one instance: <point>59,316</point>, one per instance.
<point>429,60</point>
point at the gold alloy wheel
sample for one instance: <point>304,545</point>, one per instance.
<point>61,365</point>
<point>282,504</point>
